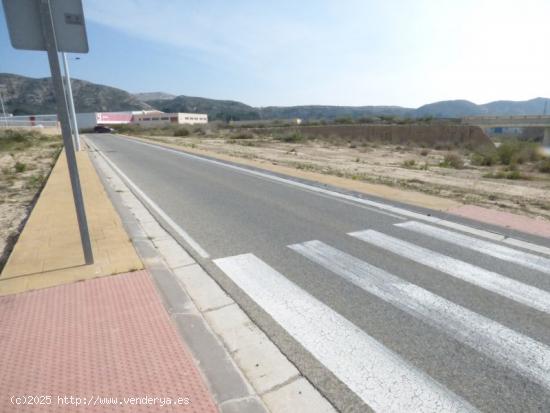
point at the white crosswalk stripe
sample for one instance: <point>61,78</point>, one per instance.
<point>507,287</point>
<point>502,252</point>
<point>381,378</point>
<point>514,350</point>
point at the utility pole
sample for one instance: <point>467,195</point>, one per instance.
<point>72,112</point>
<point>3,108</point>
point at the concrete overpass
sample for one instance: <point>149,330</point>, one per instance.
<point>522,121</point>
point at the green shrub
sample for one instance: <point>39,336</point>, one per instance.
<point>243,135</point>
<point>452,160</point>
<point>544,165</point>
<point>513,174</point>
<point>409,163</point>
<point>343,121</point>
<point>483,158</point>
<point>20,167</point>
<point>293,137</point>
<point>35,181</point>
<point>15,140</point>
<point>424,152</point>
<point>514,151</point>
<point>181,132</point>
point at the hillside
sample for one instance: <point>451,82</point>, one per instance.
<point>216,109</point>
<point>24,95</point>
<point>450,109</point>
<point>147,96</point>
<point>231,110</point>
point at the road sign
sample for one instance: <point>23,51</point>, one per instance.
<point>25,28</point>
<point>32,25</point>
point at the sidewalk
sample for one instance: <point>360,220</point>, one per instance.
<point>48,251</point>
<point>101,344</point>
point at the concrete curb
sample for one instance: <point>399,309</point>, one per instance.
<point>244,369</point>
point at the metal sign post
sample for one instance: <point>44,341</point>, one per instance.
<point>38,25</point>
<point>48,30</point>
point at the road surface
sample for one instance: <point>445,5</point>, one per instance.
<point>378,304</point>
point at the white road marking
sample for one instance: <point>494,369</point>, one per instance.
<point>381,378</point>
<point>502,252</point>
<point>507,287</point>
<point>527,245</point>
<point>354,199</point>
<point>514,350</point>
<point>151,205</point>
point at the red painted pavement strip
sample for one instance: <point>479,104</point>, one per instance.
<point>504,219</point>
<point>107,337</point>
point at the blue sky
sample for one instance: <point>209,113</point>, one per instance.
<point>348,52</point>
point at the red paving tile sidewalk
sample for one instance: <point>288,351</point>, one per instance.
<point>504,219</point>
<point>107,337</point>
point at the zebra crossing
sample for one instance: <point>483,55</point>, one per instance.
<point>382,378</point>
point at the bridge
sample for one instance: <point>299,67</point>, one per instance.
<point>522,121</point>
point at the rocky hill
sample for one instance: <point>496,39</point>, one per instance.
<point>148,96</point>
<point>24,95</point>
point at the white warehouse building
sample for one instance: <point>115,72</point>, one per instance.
<point>155,118</point>
<point>90,120</point>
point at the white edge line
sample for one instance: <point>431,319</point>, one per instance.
<point>152,205</point>
<point>385,207</point>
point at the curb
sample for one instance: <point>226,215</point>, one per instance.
<point>245,371</point>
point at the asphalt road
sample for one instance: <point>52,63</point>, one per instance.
<point>384,307</point>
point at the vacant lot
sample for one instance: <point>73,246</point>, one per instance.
<point>514,177</point>
<point>26,159</point>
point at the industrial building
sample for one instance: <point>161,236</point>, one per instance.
<point>150,119</point>
<point>92,119</point>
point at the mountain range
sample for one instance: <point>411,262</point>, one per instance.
<point>25,95</point>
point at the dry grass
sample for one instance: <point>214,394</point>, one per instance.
<point>521,186</point>
<point>26,158</point>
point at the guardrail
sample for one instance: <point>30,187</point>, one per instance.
<point>7,123</point>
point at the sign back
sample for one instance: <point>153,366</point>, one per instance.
<point>25,28</point>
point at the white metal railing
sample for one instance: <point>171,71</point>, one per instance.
<point>26,123</point>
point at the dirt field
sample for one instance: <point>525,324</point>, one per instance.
<point>518,187</point>
<point>26,159</point>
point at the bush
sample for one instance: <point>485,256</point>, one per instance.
<point>514,151</point>
<point>181,132</point>
<point>409,163</point>
<point>293,137</point>
<point>452,160</point>
<point>544,165</point>
<point>343,121</point>
<point>243,135</point>
<point>20,167</point>
<point>424,152</point>
<point>483,159</point>
<point>514,174</point>
<point>15,140</point>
